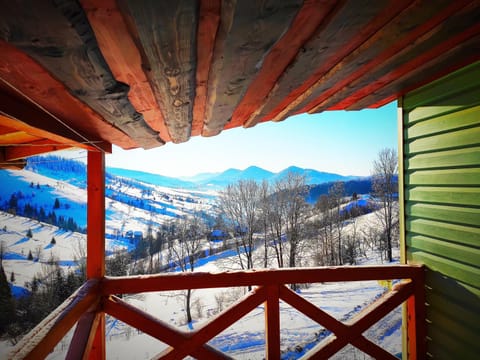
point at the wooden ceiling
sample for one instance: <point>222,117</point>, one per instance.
<point>92,73</point>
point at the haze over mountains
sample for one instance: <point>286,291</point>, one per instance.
<point>220,180</point>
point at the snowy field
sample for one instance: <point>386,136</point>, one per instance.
<point>243,340</point>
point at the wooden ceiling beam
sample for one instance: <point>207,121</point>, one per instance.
<point>310,16</point>
<point>40,125</point>
<point>209,21</point>
<point>414,50</point>
<point>327,48</point>
<point>16,137</point>
<point>59,37</point>
<point>410,24</point>
<point>13,153</point>
<point>124,59</point>
<point>33,82</point>
<point>166,32</point>
<point>248,31</point>
<point>426,71</point>
<point>10,165</point>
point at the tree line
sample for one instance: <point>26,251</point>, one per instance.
<point>18,204</point>
<point>272,218</point>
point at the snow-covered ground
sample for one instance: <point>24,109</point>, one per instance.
<point>243,340</point>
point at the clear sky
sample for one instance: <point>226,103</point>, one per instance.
<point>343,142</point>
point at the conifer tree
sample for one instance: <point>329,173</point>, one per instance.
<point>7,306</point>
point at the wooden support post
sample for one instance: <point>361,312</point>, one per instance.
<point>96,237</point>
<point>272,323</point>
<point>96,215</point>
<point>416,320</point>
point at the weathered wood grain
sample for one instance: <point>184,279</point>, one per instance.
<point>425,68</point>
<point>124,59</point>
<point>407,26</point>
<point>247,33</point>
<point>284,51</point>
<point>209,20</point>
<point>431,40</point>
<point>344,29</point>
<point>166,32</point>
<point>34,82</point>
<point>59,37</point>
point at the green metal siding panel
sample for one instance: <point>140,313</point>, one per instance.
<point>466,274</point>
<point>441,194</point>
<point>452,232</point>
<point>451,140</point>
<point>462,119</point>
<point>459,82</point>
<point>459,215</point>
<point>443,177</point>
<point>467,157</point>
<point>453,251</point>
<point>444,195</point>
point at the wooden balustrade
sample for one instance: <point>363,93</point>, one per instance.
<point>97,297</point>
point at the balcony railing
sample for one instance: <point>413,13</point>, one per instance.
<point>87,307</point>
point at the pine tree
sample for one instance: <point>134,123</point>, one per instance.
<point>53,241</point>
<point>7,306</point>
<point>12,277</point>
<point>30,255</point>
<point>57,204</point>
<point>29,233</point>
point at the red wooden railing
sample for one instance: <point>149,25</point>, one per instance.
<point>89,304</point>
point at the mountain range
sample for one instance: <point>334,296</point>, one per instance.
<point>219,180</point>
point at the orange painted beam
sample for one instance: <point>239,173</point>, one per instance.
<point>363,320</point>
<point>41,340</point>
<point>416,323</point>
<point>209,20</point>
<point>217,324</point>
<point>272,323</point>
<point>82,339</point>
<point>124,59</point>
<point>95,215</point>
<point>310,16</point>
<point>402,45</point>
<point>34,148</point>
<point>32,81</point>
<point>163,282</point>
<point>96,237</point>
<point>423,70</point>
<point>298,95</point>
<point>154,327</point>
<point>330,323</point>
<point>35,122</point>
<point>98,348</point>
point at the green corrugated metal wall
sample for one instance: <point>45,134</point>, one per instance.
<point>441,177</point>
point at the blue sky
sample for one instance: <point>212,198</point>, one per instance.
<point>343,142</point>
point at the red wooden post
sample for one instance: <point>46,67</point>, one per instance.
<point>272,323</point>
<point>416,323</point>
<point>96,237</point>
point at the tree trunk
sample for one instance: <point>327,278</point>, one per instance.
<point>187,305</point>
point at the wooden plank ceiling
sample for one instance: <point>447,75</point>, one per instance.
<point>92,73</point>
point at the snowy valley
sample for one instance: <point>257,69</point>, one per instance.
<point>134,209</point>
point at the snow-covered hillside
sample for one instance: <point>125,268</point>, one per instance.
<point>246,338</point>
<point>132,205</point>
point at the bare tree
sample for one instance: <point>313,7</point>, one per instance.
<point>293,188</point>
<point>241,204</point>
<point>385,188</point>
<point>266,210</point>
<point>185,249</point>
<point>336,194</point>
